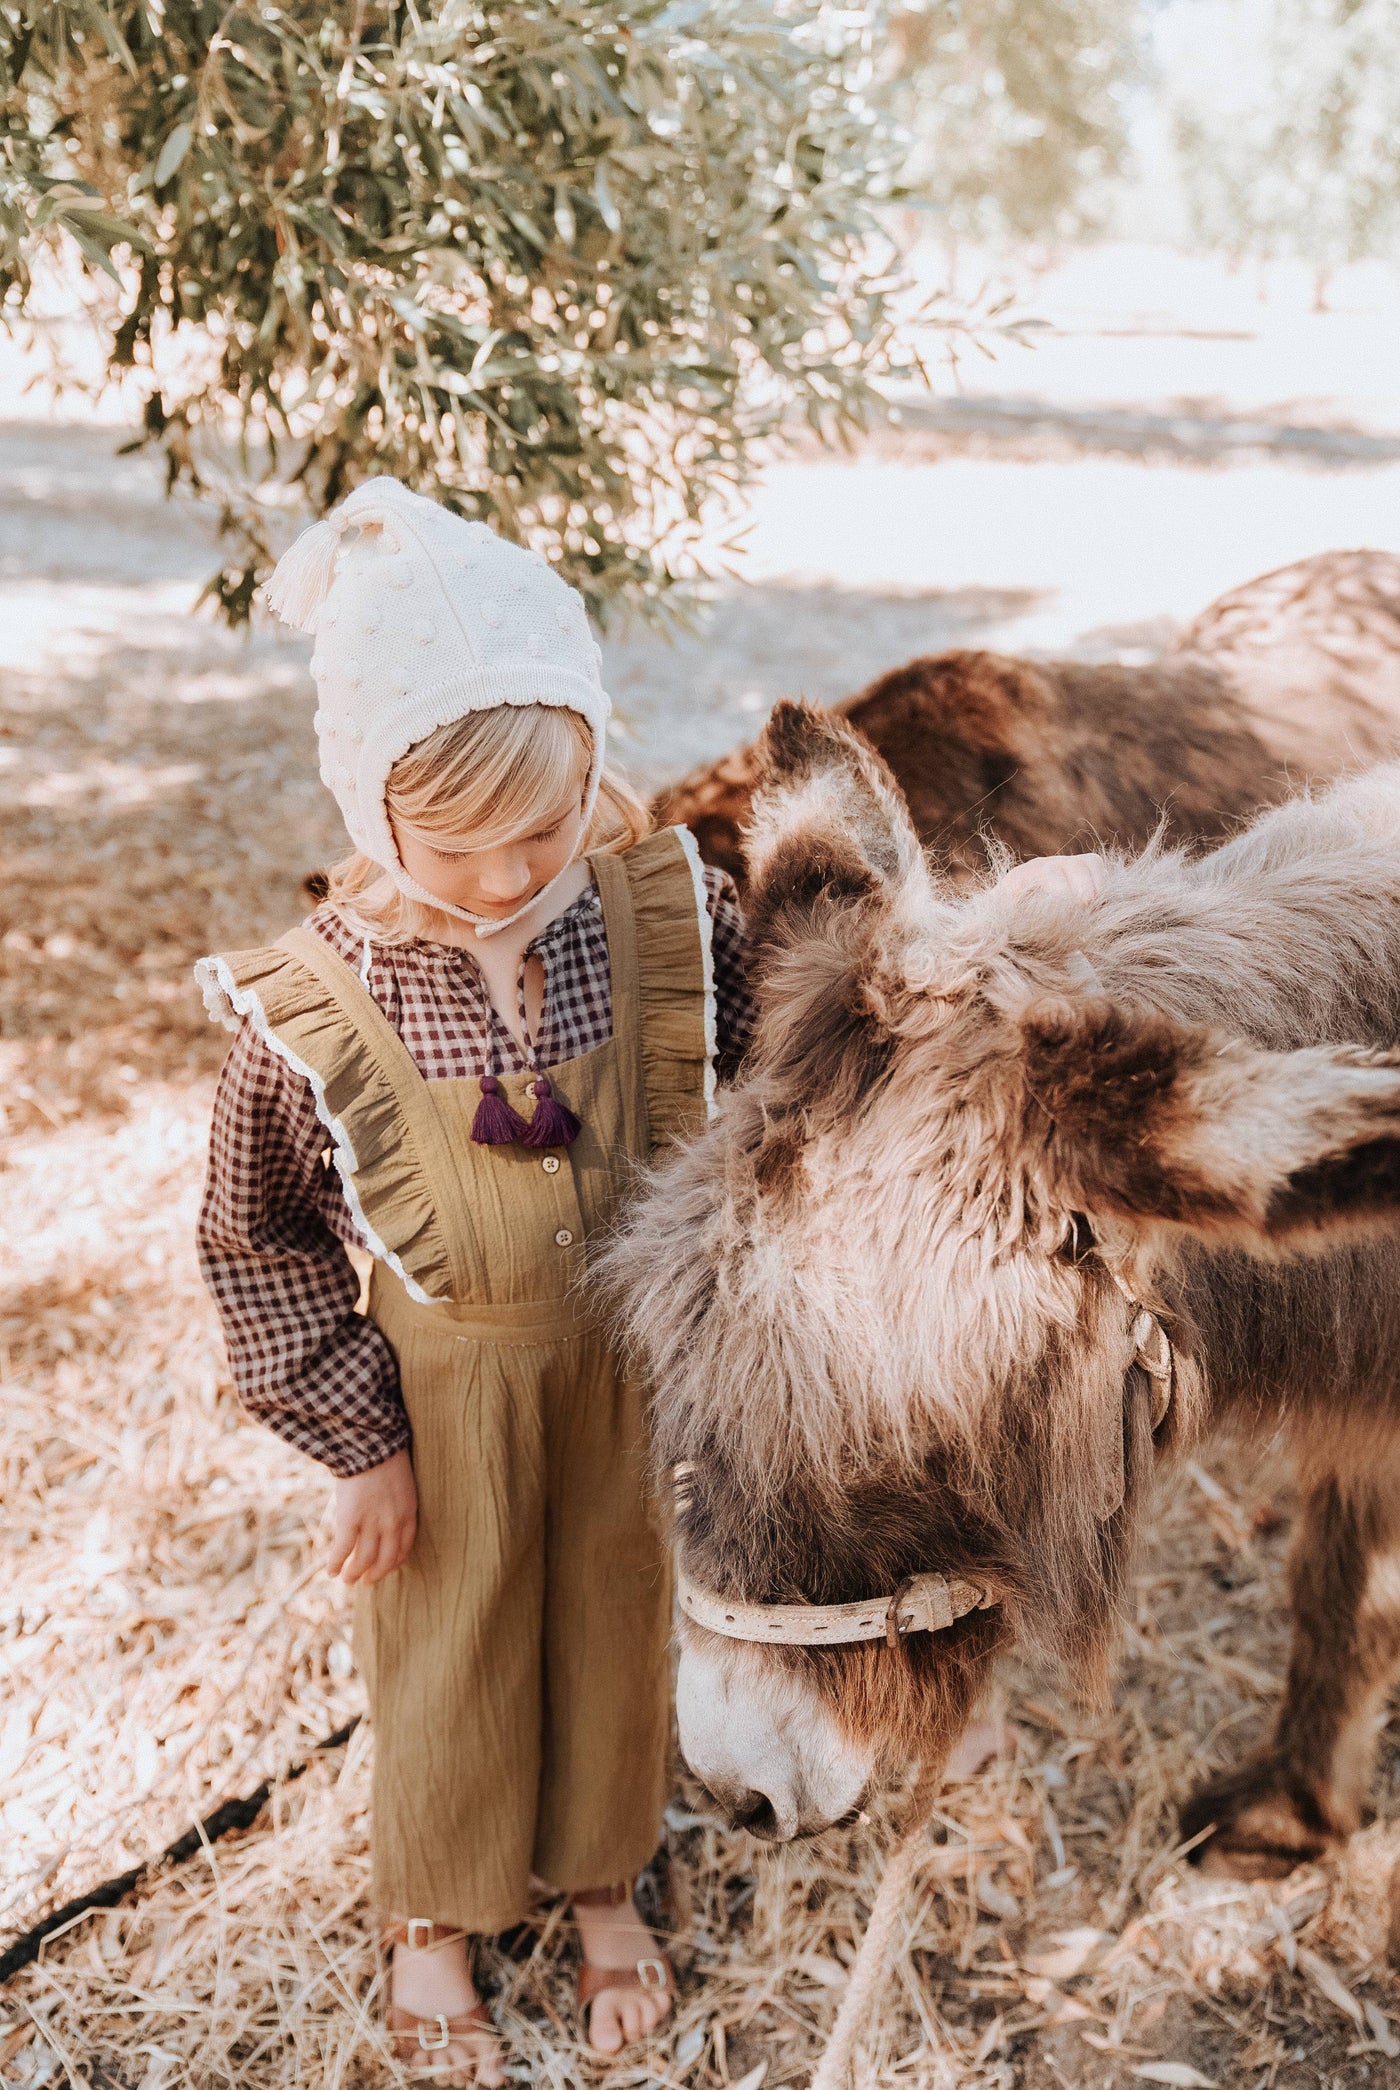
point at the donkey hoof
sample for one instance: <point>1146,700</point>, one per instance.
<point>1253,1824</point>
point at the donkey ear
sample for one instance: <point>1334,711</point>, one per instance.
<point>829,821</point>
<point>1144,1119</point>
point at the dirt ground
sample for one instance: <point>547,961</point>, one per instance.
<point>166,1636</point>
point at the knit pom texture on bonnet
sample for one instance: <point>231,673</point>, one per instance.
<point>419,619</point>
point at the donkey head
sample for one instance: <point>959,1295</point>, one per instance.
<point>877,1299</point>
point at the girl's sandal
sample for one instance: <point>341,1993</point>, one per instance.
<point>653,1975</point>
<point>415,2040</point>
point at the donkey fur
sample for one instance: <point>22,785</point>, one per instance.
<point>1294,676</point>
<point>875,1298</point>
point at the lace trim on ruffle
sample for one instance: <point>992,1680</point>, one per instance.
<point>707,961</point>
<point>227,1002</point>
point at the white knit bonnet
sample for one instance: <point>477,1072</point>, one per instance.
<point>419,619</point>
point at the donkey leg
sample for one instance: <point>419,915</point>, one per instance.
<point>1307,1789</point>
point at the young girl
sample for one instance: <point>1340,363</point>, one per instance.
<point>512,998</point>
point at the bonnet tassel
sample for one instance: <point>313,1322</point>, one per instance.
<point>496,1123</point>
<point>554,1124</point>
<point>302,577</point>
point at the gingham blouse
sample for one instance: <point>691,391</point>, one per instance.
<point>274,1223</point>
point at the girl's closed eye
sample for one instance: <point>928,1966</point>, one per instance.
<point>451,856</point>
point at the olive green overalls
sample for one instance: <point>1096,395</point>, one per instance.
<point>517,1662</point>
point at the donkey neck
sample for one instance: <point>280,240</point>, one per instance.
<point>1250,1328</point>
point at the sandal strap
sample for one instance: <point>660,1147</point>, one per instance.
<point>418,1933</point>
<point>654,1975</point>
<point>603,1897</point>
<point>441,2031</point>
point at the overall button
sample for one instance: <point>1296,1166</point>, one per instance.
<point>564,1238</point>
<point>550,1164</point>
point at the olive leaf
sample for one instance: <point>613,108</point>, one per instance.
<point>171,154</point>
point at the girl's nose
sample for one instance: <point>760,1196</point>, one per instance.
<point>504,877</point>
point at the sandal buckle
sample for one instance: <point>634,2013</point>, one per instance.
<point>415,1944</point>
<point>651,1974</point>
<point>441,2039</point>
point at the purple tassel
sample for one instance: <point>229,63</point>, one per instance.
<point>554,1124</point>
<point>496,1124</point>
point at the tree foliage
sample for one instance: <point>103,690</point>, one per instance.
<point>1310,164</point>
<point>557,262</point>
<point>1016,110</point>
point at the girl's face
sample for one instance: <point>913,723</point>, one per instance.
<point>501,879</point>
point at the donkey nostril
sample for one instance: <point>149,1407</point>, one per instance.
<point>754,1812</point>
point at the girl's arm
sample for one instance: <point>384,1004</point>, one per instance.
<point>734,1006</point>
<point>271,1237</point>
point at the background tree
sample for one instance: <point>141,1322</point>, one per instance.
<point>1016,111</point>
<point>557,263</point>
<point>1309,164</point>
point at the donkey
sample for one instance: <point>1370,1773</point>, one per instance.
<point>1294,676</point>
<point>904,1304</point>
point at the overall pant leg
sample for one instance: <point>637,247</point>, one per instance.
<point>607,1623</point>
<point>450,1645</point>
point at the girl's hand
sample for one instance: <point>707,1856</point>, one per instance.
<point>376,1516</point>
<point>1076,877</point>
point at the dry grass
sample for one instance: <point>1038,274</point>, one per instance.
<point>166,1638</point>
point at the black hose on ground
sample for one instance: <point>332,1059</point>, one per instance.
<point>229,1816</point>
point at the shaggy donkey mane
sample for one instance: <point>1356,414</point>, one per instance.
<point>863,1297</point>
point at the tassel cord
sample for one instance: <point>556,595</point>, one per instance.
<point>553,1124</point>
<point>497,1123</point>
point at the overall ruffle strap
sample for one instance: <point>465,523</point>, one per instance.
<point>676,991</point>
<point>386,1183</point>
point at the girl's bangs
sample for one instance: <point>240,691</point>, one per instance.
<point>493,776</point>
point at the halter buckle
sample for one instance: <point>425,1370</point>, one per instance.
<point>1151,1349</point>
<point>895,1628</point>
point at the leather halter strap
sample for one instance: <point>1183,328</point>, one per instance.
<point>928,1603</point>
<point>1152,1348</point>
<point>921,1604</point>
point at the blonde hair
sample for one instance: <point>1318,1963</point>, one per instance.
<point>490,775</point>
